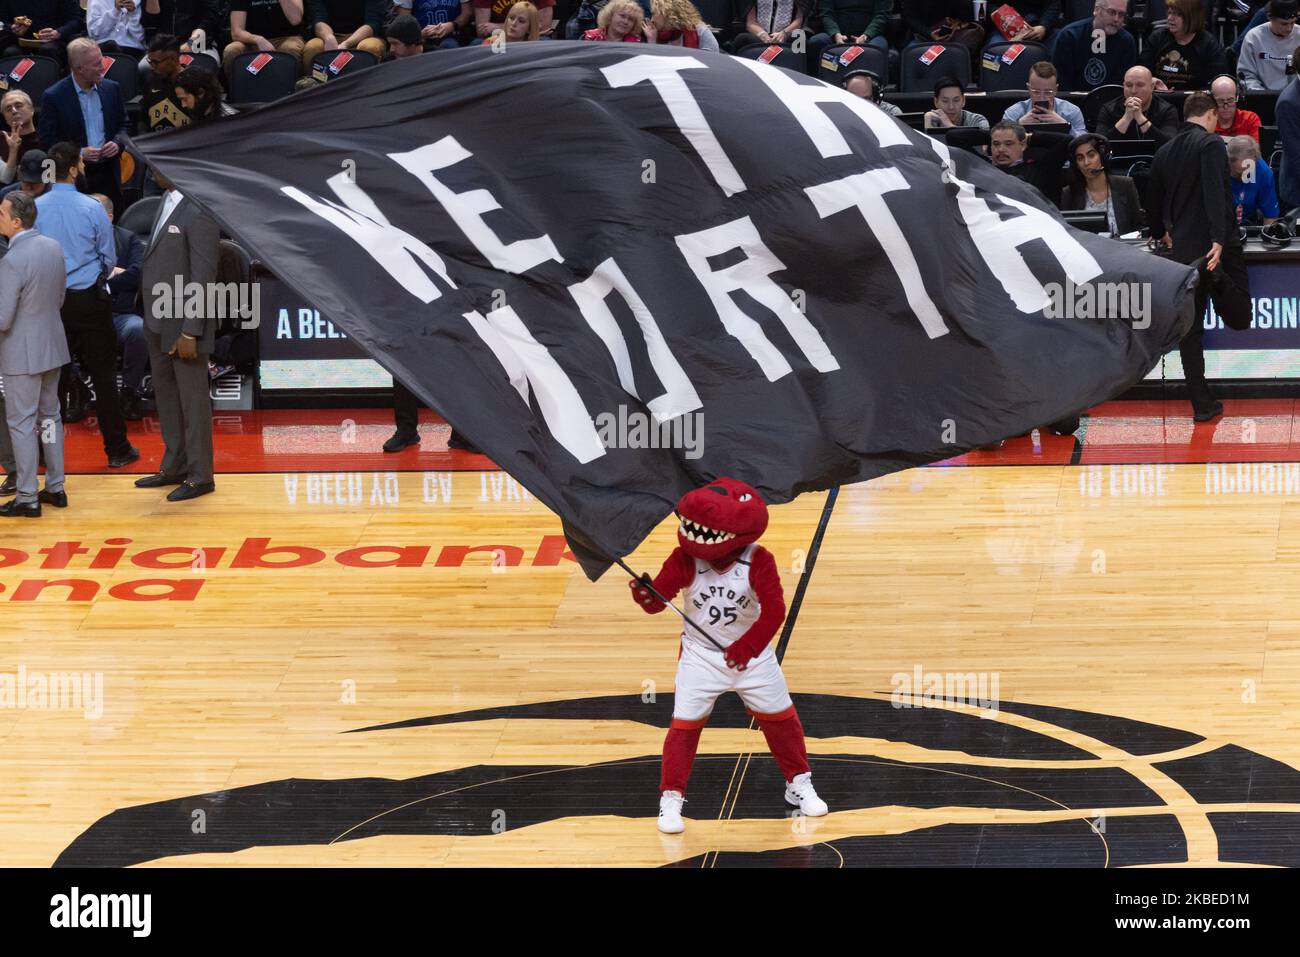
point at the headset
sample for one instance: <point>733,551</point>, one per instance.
<point>1236,85</point>
<point>877,86</point>
<point>1100,143</point>
<point>1278,234</point>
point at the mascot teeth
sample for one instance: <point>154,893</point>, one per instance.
<point>703,535</point>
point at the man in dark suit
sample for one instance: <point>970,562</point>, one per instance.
<point>184,248</point>
<point>1190,207</point>
<point>86,109</point>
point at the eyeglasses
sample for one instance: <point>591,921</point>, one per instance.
<point>1231,101</point>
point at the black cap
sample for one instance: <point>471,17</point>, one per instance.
<point>406,29</point>
<point>32,167</point>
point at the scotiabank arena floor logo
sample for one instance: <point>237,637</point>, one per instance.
<point>1121,820</point>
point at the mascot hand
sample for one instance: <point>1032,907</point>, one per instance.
<point>738,655</point>
<point>644,597</point>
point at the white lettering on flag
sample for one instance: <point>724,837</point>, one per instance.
<point>529,363</point>
<point>466,209</point>
<point>866,192</point>
<point>664,73</point>
<point>362,221</point>
<point>680,396</point>
<point>803,101</point>
<point>752,275</point>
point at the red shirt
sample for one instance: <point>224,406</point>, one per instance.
<point>1244,123</point>
<point>599,34</point>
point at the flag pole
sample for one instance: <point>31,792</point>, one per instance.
<point>645,580</point>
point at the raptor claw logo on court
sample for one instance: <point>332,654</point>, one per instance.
<point>1025,787</point>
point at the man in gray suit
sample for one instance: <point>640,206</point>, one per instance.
<point>184,248</point>
<point>33,349</point>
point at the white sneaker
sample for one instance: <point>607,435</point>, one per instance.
<point>800,793</point>
<point>670,812</point>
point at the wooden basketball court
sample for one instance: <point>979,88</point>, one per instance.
<point>1082,654</point>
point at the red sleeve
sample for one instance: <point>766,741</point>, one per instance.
<point>677,573</point>
<point>1252,127</point>
<point>765,580</point>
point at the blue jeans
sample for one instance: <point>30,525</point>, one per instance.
<point>135,354</point>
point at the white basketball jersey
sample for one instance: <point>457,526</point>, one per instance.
<point>721,602</point>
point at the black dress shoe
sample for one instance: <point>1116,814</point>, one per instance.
<point>15,509</point>
<point>401,440</point>
<point>1207,412</point>
<point>10,485</point>
<point>458,441</point>
<point>158,480</point>
<point>123,458</point>
<point>188,490</point>
<point>57,499</point>
<point>132,409</point>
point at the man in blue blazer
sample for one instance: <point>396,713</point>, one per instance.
<point>86,109</point>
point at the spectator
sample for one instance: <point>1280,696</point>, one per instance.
<point>1043,105</point>
<point>199,93</point>
<point>86,109</point>
<point>196,23</point>
<point>679,23</point>
<point>344,25</point>
<point>620,21</point>
<point>949,108</point>
<point>1138,114</point>
<point>1079,66</point>
<point>264,25</point>
<point>1184,55</point>
<point>40,26</point>
<point>439,21</point>
<point>21,137</point>
<point>124,286</point>
<point>1010,149</point>
<point>1259,16</point>
<point>772,21</point>
<point>1092,186</point>
<point>115,25</point>
<point>1288,134</point>
<point>490,16</point>
<point>944,21</point>
<point>856,22</point>
<point>35,176</point>
<point>77,222</point>
<point>1233,120</point>
<point>1254,193</point>
<point>1040,18</point>
<point>866,84</point>
<point>162,110</point>
<point>1267,49</point>
<point>32,353</point>
<point>523,23</point>
<point>405,39</point>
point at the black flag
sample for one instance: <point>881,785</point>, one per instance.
<point>581,252</point>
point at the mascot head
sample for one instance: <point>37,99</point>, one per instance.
<point>719,519</point>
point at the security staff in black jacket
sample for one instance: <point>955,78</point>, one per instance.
<point>1189,205</point>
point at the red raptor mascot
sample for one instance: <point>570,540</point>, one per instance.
<point>731,588</point>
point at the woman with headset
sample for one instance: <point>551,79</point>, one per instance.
<point>1094,187</point>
